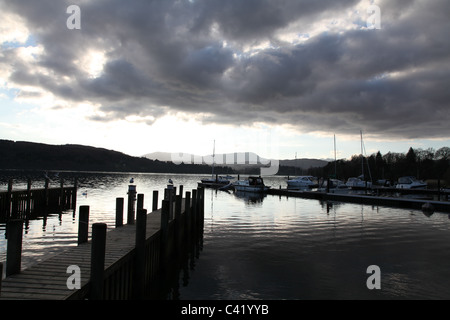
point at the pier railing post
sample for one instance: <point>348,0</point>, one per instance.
<point>8,199</point>
<point>140,202</point>
<point>178,225</point>
<point>14,228</point>
<point>61,195</point>
<point>155,200</point>
<point>131,201</point>
<point>140,267</point>
<point>164,230</point>
<point>98,247</point>
<point>194,212</point>
<point>119,212</point>
<point>74,194</point>
<point>1,277</point>
<point>46,196</point>
<point>83,224</point>
<point>187,215</point>
<point>28,210</point>
<point>201,205</point>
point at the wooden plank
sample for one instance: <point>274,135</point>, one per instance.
<point>48,279</point>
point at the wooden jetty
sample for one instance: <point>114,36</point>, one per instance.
<point>31,203</point>
<point>372,199</point>
<point>120,264</point>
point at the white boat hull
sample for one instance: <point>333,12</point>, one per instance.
<point>250,188</point>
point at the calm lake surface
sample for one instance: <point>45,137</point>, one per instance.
<point>271,247</point>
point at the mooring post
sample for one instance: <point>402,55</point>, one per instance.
<point>178,199</point>
<point>140,267</point>
<point>28,210</point>
<point>177,206</point>
<point>140,202</point>
<point>119,212</point>
<point>155,200</point>
<point>164,230</point>
<point>46,183</point>
<point>171,198</point>
<point>187,214</point>
<point>194,212</point>
<point>14,227</point>
<point>181,191</point>
<point>83,224</point>
<point>1,277</point>
<point>202,207</point>
<point>98,247</point>
<point>74,194</point>
<point>61,195</point>
<point>8,199</point>
<point>131,201</point>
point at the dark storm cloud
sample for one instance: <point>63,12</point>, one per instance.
<point>202,56</point>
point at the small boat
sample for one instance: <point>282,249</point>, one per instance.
<point>358,183</point>
<point>302,182</point>
<point>335,186</point>
<point>214,182</point>
<point>252,184</point>
<point>410,182</point>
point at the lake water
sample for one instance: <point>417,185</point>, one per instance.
<point>274,247</point>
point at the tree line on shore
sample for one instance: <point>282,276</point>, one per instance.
<point>424,164</point>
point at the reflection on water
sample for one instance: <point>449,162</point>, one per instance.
<point>272,247</point>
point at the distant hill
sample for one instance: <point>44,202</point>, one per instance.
<point>38,156</point>
<point>238,160</point>
<point>304,163</point>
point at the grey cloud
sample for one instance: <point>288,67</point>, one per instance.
<point>189,56</point>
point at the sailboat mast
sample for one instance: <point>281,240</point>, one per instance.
<point>214,160</point>
<point>362,155</point>
<point>335,160</point>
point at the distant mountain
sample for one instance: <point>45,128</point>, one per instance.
<point>38,156</point>
<point>24,155</point>
<point>236,160</point>
<point>304,163</point>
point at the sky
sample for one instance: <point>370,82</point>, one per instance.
<point>280,78</point>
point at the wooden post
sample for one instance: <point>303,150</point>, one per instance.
<point>1,277</point>
<point>177,206</point>
<point>155,200</point>
<point>14,228</point>
<point>119,212</point>
<point>164,230</point>
<point>61,195</point>
<point>46,183</point>
<point>140,267</point>
<point>28,210</point>
<point>140,202</point>
<point>98,247</point>
<point>187,215</point>
<point>131,200</point>
<point>178,199</point>
<point>194,212</point>
<point>74,194</point>
<point>8,199</point>
<point>83,224</point>
<point>171,204</point>
<point>201,207</point>
<point>181,191</point>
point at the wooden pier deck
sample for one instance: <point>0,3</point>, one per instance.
<point>164,232</point>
